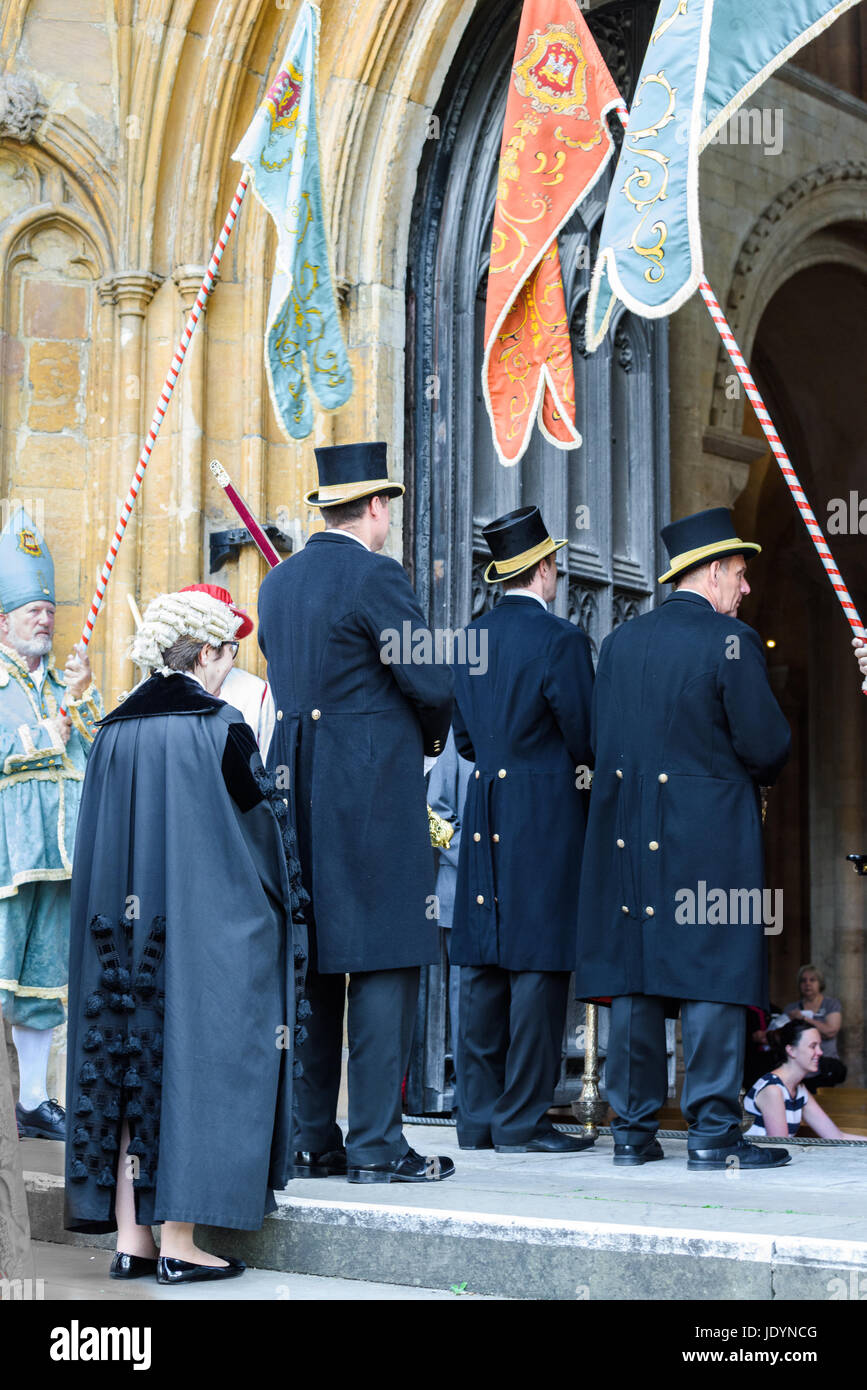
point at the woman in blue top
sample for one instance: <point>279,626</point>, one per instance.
<point>779,1100</point>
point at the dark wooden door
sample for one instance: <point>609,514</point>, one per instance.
<point>609,497</point>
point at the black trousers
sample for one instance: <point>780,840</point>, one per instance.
<point>380,1023</point>
<point>510,1038</point>
<point>713,1036</point>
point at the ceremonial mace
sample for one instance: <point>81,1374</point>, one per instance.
<point>441,831</point>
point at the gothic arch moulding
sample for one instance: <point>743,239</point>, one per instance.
<point>810,223</point>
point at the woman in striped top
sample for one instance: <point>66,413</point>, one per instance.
<point>779,1100</point>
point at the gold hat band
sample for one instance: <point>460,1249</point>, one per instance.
<point>507,569</point>
<point>689,558</point>
<point>333,493</point>
<point>527,557</point>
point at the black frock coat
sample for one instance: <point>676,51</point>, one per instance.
<point>350,739</point>
<point>183,957</point>
<point>685,731</point>
<point>525,723</point>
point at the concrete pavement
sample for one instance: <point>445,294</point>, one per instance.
<point>543,1227</point>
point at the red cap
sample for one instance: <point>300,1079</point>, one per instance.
<point>225,597</point>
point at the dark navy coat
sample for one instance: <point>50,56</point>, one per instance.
<point>685,731</point>
<point>352,731</point>
<point>525,723</point>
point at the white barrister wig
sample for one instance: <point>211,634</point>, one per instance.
<point>170,616</point>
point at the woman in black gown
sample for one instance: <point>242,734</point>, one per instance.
<point>187,944</point>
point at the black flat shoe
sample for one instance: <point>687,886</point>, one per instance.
<point>306,1164</point>
<point>553,1143</point>
<point>482,1144</point>
<point>412,1167</point>
<point>170,1271</point>
<point>47,1121</point>
<point>633,1155</point>
<point>740,1155</point>
<point>132,1266</point>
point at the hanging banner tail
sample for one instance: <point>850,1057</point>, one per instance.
<point>650,256</point>
<point>556,145</point>
<point>653,207</point>
<point>281,152</point>
<point>572,439</point>
<point>750,39</point>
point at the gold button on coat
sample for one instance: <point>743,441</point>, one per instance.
<point>621,844</point>
<point>477,836</point>
<point>496,839</point>
<point>654,844</point>
<point>618,773</point>
<point>625,909</point>
<point>649,911</point>
<point>663,777</point>
<point>316,714</point>
<point>279,714</point>
<point>480,900</point>
<point>502,772</point>
<point>477,774</point>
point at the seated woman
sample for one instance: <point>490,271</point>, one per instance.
<point>186,931</point>
<point>779,1100</point>
<point>826,1014</point>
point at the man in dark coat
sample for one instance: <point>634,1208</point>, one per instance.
<point>359,705</point>
<point>686,730</point>
<point>523,716</point>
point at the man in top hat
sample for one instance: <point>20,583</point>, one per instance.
<point>686,730</point>
<point>355,719</point>
<point>43,759</point>
<point>524,720</point>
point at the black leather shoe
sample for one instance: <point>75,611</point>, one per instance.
<point>481,1144</point>
<point>131,1266</point>
<point>554,1142</point>
<point>633,1155</point>
<point>331,1164</point>
<point>47,1121</point>
<point>412,1167</point>
<point>740,1155</point>
<point>170,1271</point>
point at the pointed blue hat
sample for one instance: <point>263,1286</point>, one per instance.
<point>26,566</point>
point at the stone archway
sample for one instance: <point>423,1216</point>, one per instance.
<point>809,361</point>
<point>819,218</point>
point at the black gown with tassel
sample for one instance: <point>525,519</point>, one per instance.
<point>187,952</point>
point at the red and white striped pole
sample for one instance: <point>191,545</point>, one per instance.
<point>792,482</point>
<point>160,410</point>
<point>788,472</point>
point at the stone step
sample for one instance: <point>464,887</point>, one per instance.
<point>71,1274</point>
<point>531,1226</point>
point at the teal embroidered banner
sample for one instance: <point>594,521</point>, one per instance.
<point>281,152</point>
<point>705,58</point>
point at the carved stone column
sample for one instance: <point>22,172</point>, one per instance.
<point>130,291</point>
<point>186,565</point>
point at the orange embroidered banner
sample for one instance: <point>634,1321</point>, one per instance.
<point>556,143</point>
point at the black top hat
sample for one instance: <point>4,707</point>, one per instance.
<point>517,541</point>
<point>700,538</point>
<point>350,471</point>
